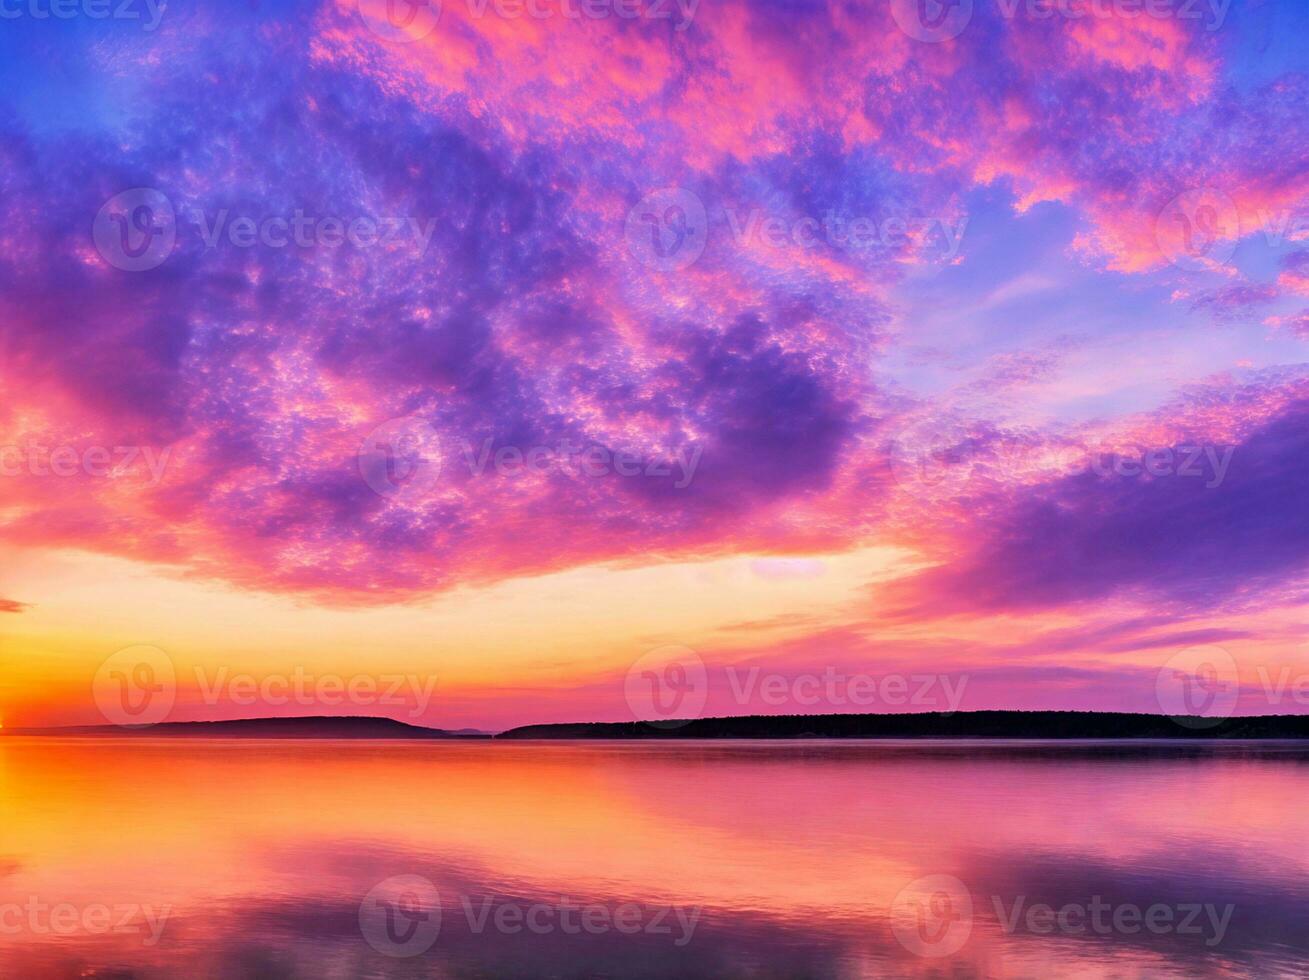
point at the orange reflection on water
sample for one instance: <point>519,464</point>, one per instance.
<point>808,845</point>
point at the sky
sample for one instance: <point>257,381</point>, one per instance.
<point>505,362</point>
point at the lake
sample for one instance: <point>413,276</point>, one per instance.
<point>321,859</point>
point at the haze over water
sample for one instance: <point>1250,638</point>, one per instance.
<point>857,859</point>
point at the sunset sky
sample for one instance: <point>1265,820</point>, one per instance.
<point>501,351</point>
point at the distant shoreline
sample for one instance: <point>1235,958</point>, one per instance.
<point>964,725</point>
<point>1042,725</point>
<point>350,727</point>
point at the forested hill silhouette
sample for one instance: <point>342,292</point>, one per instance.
<point>307,727</point>
<point>963,724</point>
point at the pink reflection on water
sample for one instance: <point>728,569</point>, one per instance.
<point>828,858</point>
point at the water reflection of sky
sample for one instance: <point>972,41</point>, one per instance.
<point>786,860</point>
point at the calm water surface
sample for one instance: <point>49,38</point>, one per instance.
<point>135,858</point>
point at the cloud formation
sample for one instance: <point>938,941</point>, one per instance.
<point>494,298</point>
